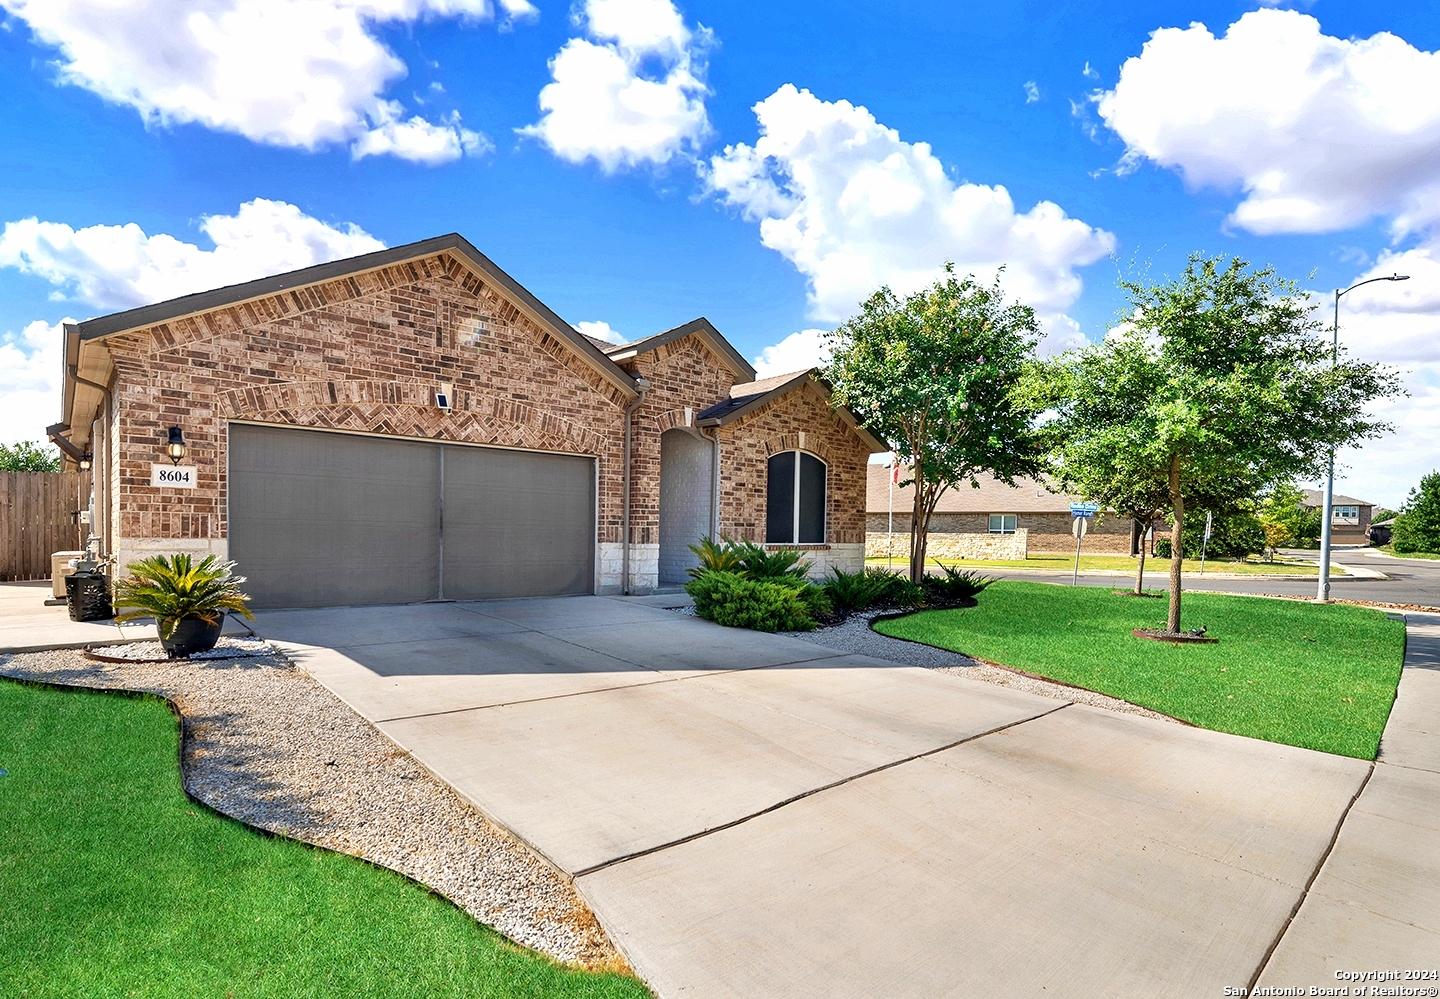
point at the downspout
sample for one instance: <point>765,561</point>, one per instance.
<point>644,386</point>
<point>714,482</point>
<point>105,538</point>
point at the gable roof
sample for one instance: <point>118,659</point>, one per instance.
<point>992,496</point>
<point>702,328</point>
<point>1316,498</point>
<point>454,243</point>
<point>746,397</point>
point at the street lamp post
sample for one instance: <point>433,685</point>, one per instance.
<point>1322,596</point>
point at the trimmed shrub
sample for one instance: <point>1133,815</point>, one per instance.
<point>762,605</point>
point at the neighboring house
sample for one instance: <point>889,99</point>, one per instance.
<point>1380,532</point>
<point>412,425</point>
<point>992,521</point>
<point>1349,517</point>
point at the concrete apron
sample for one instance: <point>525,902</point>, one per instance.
<point>1375,903</point>
<point>753,815</point>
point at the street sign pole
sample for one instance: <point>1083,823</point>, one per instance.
<point>1078,527</point>
<point>1205,542</point>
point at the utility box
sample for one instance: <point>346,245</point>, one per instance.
<point>60,567</point>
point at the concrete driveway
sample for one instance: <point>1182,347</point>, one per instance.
<point>754,815</point>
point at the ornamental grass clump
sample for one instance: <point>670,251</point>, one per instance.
<point>858,591</point>
<point>173,588</point>
<point>954,586</point>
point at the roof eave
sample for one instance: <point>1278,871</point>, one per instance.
<point>803,378</point>
<point>700,327</point>
<point>207,301</point>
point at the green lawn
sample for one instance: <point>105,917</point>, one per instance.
<point>1287,671</point>
<point>1155,567</point>
<point>114,884</point>
<point>1390,549</point>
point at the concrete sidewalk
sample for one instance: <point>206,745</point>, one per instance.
<point>1376,901</point>
<point>27,625</point>
<point>752,815</point>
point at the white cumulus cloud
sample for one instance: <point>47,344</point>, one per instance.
<point>630,94</point>
<point>30,381</point>
<point>853,206</point>
<point>1396,323</point>
<point>798,351</point>
<point>600,331</point>
<point>297,73</point>
<point>1317,133</point>
<point>113,267</point>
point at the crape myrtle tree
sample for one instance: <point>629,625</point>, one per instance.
<point>933,375</point>
<point>1219,384</point>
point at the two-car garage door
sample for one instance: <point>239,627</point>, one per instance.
<point>321,519</point>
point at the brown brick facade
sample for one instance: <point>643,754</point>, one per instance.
<point>365,353</point>
<point>355,355</point>
<point>747,444</point>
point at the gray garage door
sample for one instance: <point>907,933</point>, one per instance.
<point>322,519</point>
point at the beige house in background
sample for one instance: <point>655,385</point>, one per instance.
<point>1349,518</point>
<point>993,521</point>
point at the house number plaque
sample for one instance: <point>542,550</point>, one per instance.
<point>173,476</point>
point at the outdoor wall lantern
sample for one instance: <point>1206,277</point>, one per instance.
<point>86,460</point>
<point>444,396</point>
<point>176,447</point>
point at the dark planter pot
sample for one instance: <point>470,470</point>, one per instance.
<point>192,635</point>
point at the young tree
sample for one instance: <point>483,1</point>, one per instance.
<point>1287,519</point>
<point>1417,529</point>
<point>932,374</point>
<point>27,456</point>
<point>1220,383</point>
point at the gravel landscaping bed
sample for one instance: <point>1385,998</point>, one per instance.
<point>266,744</point>
<point>855,635</point>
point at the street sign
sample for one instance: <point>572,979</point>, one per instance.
<point>1086,510</point>
<point>1079,527</point>
<point>1208,515</point>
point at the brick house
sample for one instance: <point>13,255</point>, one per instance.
<point>1349,517</point>
<point>993,521</point>
<point>413,424</point>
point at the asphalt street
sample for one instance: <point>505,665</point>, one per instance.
<point>1412,581</point>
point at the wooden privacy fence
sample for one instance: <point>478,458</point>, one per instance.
<point>39,514</point>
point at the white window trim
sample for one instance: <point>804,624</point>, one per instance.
<point>1003,517</point>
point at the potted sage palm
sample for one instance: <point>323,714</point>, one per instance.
<point>187,600</point>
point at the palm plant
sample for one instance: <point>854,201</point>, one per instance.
<point>714,556</point>
<point>171,588</point>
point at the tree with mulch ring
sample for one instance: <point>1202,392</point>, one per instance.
<point>1321,677</point>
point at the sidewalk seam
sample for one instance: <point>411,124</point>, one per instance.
<point>1305,892</point>
<point>813,791</point>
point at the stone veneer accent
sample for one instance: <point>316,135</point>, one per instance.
<point>1006,547</point>
<point>1047,532</point>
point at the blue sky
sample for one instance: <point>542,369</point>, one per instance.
<point>638,163</point>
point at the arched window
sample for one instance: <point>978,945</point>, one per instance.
<point>795,499</point>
